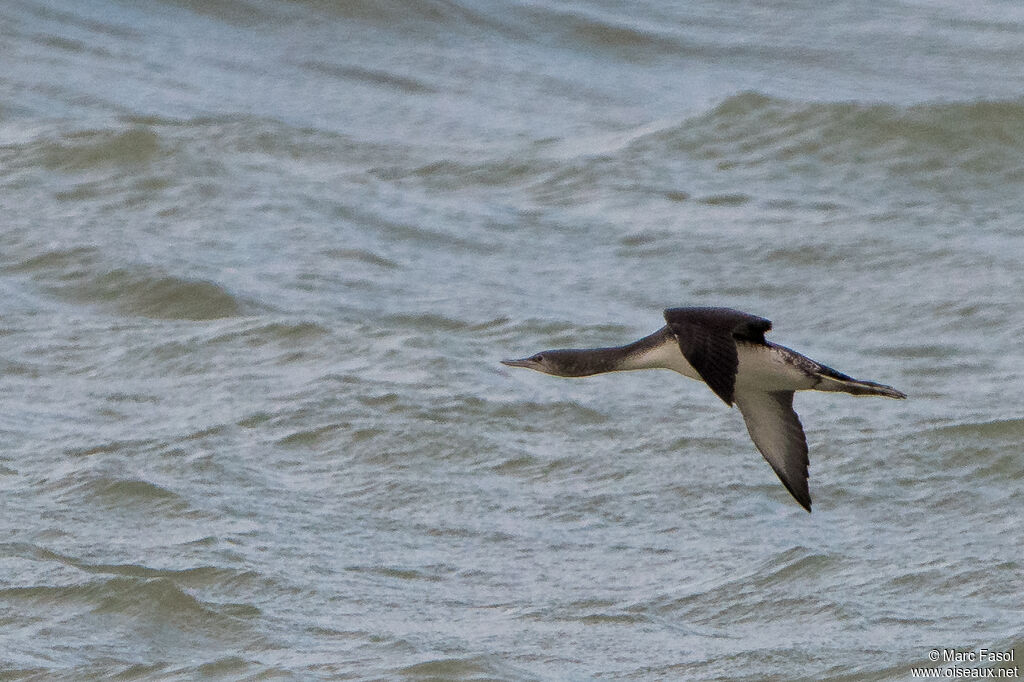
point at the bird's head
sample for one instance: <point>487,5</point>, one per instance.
<point>560,363</point>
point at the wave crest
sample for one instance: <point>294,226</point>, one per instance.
<point>78,274</point>
<point>751,128</point>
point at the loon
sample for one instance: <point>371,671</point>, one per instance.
<point>726,349</point>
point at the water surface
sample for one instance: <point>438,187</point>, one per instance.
<point>259,261</point>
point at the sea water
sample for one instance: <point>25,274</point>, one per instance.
<point>259,261</point>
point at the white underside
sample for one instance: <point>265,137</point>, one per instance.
<point>761,368</point>
<point>764,368</point>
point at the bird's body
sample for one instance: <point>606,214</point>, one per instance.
<point>726,349</point>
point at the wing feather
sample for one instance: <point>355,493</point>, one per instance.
<point>707,338</point>
<point>776,431</point>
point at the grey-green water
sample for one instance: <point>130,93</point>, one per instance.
<point>259,261</point>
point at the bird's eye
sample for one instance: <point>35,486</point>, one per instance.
<point>538,357</point>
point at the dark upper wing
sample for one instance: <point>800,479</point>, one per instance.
<point>707,337</point>
<point>776,431</point>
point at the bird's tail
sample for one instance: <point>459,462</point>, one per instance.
<point>831,380</point>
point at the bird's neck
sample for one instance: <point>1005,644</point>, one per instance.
<point>640,354</point>
<point>585,362</point>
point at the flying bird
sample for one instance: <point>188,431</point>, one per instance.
<point>726,349</point>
